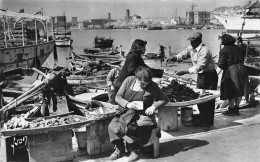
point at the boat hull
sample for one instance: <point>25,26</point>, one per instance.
<point>233,24</point>
<point>25,57</point>
<point>63,43</point>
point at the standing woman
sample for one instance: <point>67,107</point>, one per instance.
<point>234,80</point>
<point>133,60</point>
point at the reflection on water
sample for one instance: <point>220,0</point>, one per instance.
<point>176,39</point>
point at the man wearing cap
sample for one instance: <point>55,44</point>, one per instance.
<point>204,67</point>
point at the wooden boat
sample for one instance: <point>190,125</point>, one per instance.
<point>23,51</point>
<point>99,51</point>
<point>80,103</point>
<point>62,31</point>
<point>22,89</point>
<point>102,42</point>
<point>63,41</point>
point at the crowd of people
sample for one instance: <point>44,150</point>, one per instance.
<point>132,88</point>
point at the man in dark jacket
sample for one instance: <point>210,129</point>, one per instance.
<point>133,60</point>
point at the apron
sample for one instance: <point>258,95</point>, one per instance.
<point>117,129</point>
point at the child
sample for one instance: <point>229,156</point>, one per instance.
<point>111,78</point>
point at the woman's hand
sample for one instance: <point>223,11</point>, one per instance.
<point>136,105</point>
<point>150,110</point>
<point>130,105</point>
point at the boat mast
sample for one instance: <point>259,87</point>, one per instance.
<point>8,29</point>
<point>64,22</point>
<point>5,33</point>
<point>36,36</point>
<point>22,32</point>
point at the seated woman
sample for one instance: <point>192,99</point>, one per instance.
<point>138,97</point>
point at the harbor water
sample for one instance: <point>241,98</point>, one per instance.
<point>176,39</point>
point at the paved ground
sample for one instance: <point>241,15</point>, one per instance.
<point>231,139</point>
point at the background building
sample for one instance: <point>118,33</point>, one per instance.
<point>74,22</point>
<point>201,17</point>
<point>127,17</point>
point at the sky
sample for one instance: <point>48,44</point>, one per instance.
<point>92,9</point>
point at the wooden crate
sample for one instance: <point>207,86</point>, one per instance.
<point>94,137</point>
<point>51,146</point>
<point>13,148</point>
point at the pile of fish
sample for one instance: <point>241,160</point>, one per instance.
<point>179,92</point>
<point>19,122</point>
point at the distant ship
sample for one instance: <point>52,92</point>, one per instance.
<point>233,24</point>
<point>181,26</point>
<point>175,25</point>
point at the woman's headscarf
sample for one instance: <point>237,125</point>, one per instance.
<point>228,39</point>
<point>137,45</point>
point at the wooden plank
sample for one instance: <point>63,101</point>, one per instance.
<point>75,77</point>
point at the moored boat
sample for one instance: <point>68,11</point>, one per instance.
<point>63,41</point>
<point>22,51</point>
<point>102,42</point>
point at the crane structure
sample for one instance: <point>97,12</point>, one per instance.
<point>192,6</point>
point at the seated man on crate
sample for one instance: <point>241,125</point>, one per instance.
<point>207,77</point>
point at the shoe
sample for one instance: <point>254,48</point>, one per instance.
<point>229,112</point>
<point>135,155</point>
<point>116,154</point>
<point>236,110</point>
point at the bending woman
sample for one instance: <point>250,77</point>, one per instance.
<point>139,97</point>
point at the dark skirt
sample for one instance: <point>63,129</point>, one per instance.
<point>208,80</point>
<point>140,134</point>
<point>234,82</point>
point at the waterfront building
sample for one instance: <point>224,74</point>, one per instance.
<point>74,22</point>
<point>127,17</point>
<point>190,18</point>
<point>94,23</point>
<point>201,17</point>
<point>59,21</point>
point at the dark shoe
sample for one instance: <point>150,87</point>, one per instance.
<point>229,112</point>
<point>117,154</point>
<point>135,155</point>
<point>236,110</point>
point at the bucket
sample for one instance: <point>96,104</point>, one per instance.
<point>186,115</point>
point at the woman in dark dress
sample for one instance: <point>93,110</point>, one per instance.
<point>234,80</point>
<point>138,98</point>
<point>133,60</point>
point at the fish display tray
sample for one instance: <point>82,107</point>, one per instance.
<point>193,102</point>
<point>83,121</point>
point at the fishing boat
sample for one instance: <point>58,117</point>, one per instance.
<point>91,98</point>
<point>23,51</point>
<point>154,28</point>
<point>20,93</point>
<point>63,41</point>
<point>102,42</point>
<point>61,31</point>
